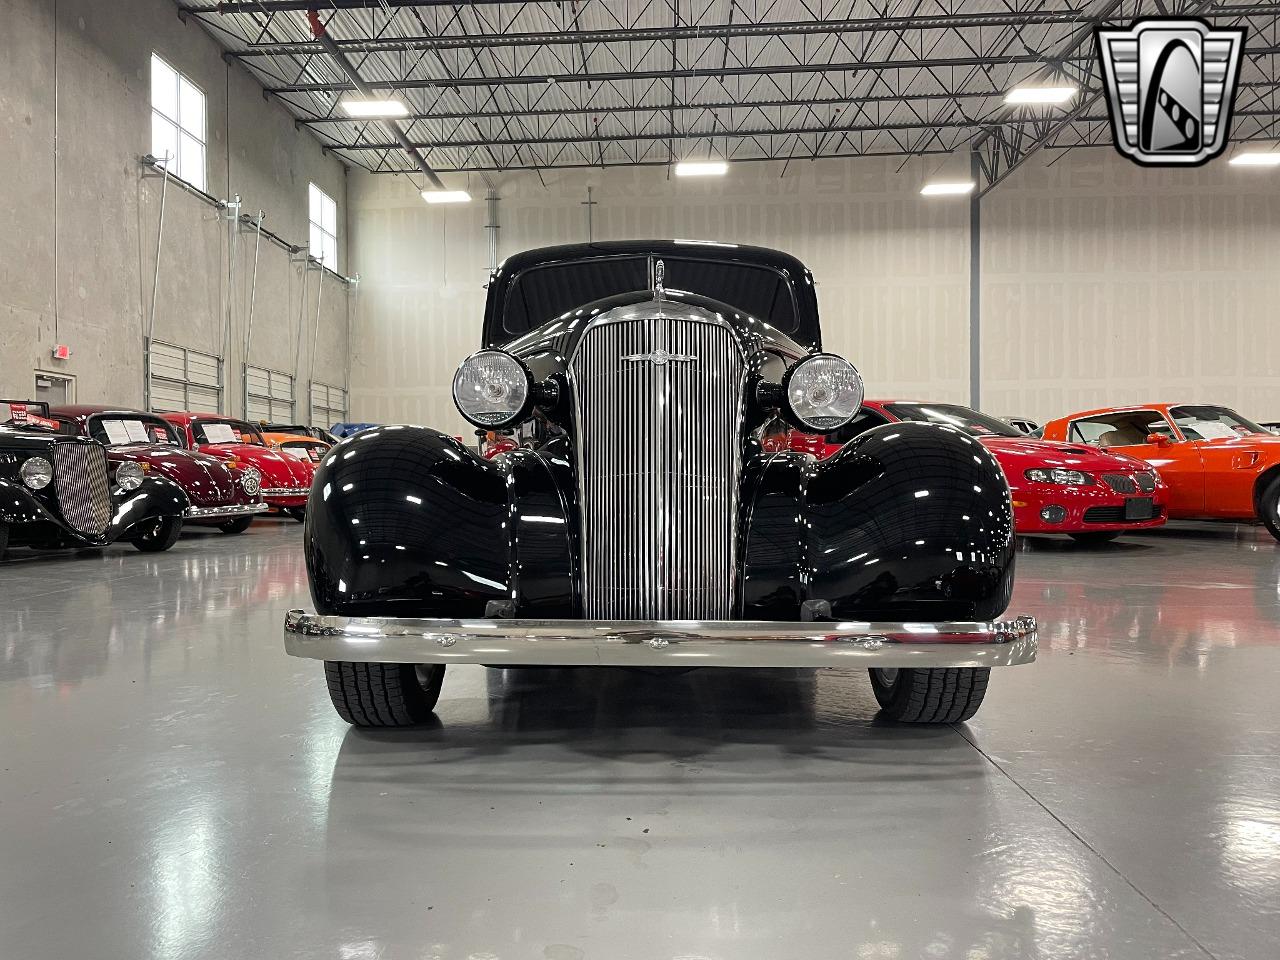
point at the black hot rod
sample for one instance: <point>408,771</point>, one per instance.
<point>640,520</point>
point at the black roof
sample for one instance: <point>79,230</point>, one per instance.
<point>807,333</point>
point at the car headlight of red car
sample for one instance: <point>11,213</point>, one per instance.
<point>251,481</point>
<point>1066,478</point>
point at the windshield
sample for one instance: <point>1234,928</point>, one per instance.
<point>225,431</point>
<point>954,415</point>
<point>313,451</point>
<point>26,415</point>
<point>1212,423</point>
<point>119,430</point>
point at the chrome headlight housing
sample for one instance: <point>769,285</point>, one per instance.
<point>493,389</point>
<point>1063,478</point>
<point>822,393</point>
<point>129,475</point>
<point>251,481</point>
<point>36,473</point>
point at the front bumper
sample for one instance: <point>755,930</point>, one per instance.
<point>222,513</point>
<point>637,643</point>
<point>286,496</point>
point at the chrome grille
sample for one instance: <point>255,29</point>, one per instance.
<point>84,493</point>
<point>658,459</point>
<point>1120,483</point>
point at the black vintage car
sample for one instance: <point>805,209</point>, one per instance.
<point>640,521</point>
<point>60,491</point>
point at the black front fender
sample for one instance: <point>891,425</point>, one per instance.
<point>155,497</point>
<point>907,521</point>
<point>406,521</point>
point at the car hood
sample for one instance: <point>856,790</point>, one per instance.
<point>1031,452</point>
<point>277,469</point>
<point>207,480</point>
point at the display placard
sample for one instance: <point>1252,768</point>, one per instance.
<point>115,431</point>
<point>220,433</point>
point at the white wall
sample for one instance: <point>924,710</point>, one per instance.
<point>1102,282</point>
<point>1107,283</point>
<point>77,251</point>
<point>892,271</point>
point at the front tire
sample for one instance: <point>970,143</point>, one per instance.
<point>1094,538</point>
<point>1269,507</point>
<point>159,536</point>
<point>4,539</point>
<point>384,694</point>
<point>238,525</point>
<point>937,695</point>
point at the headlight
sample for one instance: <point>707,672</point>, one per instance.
<point>823,392</point>
<point>36,473</point>
<point>251,481</point>
<point>129,475</point>
<point>1068,478</point>
<point>493,389</point>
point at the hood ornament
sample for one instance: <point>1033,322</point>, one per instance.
<point>659,274</point>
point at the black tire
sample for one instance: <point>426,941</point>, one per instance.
<point>238,525</point>
<point>4,539</point>
<point>942,695</point>
<point>384,694</point>
<point>158,535</point>
<point>1269,506</point>
<point>298,513</point>
<point>1095,537</point>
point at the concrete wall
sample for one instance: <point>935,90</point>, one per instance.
<point>77,252</point>
<point>1107,283</point>
<point>1102,282</point>
<point>892,271</point>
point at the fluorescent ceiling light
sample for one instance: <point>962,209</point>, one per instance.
<point>701,168</point>
<point>1040,95</point>
<point>942,189</point>
<point>446,196</point>
<point>1256,159</point>
<point>374,108</point>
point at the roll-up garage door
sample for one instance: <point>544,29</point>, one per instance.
<point>328,404</point>
<point>184,379</point>
<point>268,395</point>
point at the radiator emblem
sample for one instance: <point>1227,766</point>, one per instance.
<point>660,358</point>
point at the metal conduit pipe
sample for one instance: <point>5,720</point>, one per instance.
<point>347,67</point>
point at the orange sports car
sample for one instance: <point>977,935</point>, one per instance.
<point>298,446</point>
<point>1218,465</point>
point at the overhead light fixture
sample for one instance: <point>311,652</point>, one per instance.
<point>1046,96</point>
<point>945,189</point>
<point>374,109</point>
<point>446,196</point>
<point>1256,158</point>
<point>701,168</point>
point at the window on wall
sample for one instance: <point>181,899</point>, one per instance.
<point>324,228</point>
<point>177,123</point>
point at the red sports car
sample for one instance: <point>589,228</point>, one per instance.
<point>286,480</point>
<point>1056,487</point>
<point>223,493</point>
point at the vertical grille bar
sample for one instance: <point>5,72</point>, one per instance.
<point>658,448</point>
<point>84,493</point>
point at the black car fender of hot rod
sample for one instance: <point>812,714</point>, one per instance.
<point>641,521</point>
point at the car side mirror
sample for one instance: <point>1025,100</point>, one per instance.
<point>1157,439</point>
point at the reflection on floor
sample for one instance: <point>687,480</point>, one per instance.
<point>172,785</point>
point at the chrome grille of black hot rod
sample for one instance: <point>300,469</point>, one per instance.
<point>658,392</point>
<point>84,492</point>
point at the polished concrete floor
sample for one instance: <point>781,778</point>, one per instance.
<point>173,786</point>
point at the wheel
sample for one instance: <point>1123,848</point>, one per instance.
<point>1269,507</point>
<point>158,535</point>
<point>238,525</point>
<point>4,539</point>
<point>1093,538</point>
<point>940,695</point>
<point>384,694</point>
<point>298,513</point>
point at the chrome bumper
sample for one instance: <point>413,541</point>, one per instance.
<point>286,491</point>
<point>634,643</point>
<point>221,513</point>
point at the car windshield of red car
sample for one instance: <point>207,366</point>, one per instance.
<point>304,451</point>
<point>122,431</point>
<point>1212,423</point>
<point>225,431</point>
<point>954,415</point>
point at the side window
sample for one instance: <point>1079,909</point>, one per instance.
<point>67,427</point>
<point>859,425</point>
<point>1119,429</point>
